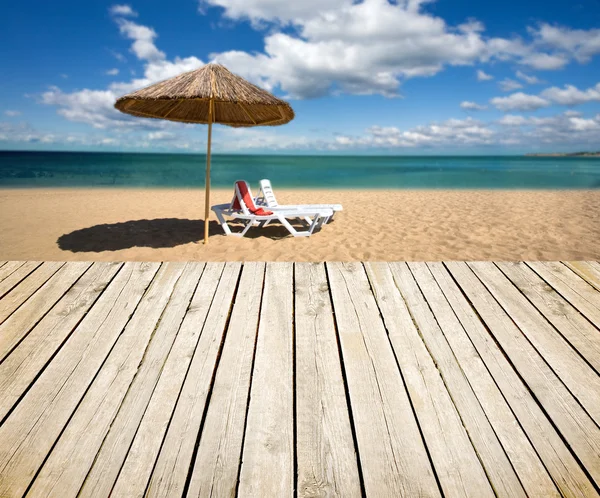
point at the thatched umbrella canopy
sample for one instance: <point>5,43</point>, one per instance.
<point>211,94</point>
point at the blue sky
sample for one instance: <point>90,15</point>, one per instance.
<point>373,76</point>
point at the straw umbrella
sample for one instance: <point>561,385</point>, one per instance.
<point>211,94</point>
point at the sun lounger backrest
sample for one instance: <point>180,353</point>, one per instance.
<point>267,193</point>
<point>238,203</point>
<point>243,201</point>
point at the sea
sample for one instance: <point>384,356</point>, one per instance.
<point>90,169</point>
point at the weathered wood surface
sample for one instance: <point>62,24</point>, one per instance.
<point>171,471</point>
<point>392,453</point>
<point>18,325</point>
<point>28,435</point>
<point>454,458</point>
<point>327,464</point>
<point>219,452</point>
<point>19,370</point>
<point>24,282</point>
<point>308,379</point>
<point>268,453</point>
<point>578,291</point>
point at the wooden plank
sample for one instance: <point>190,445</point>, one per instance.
<point>476,395</point>
<point>20,369</point>
<point>455,460</point>
<point>392,454</point>
<point>14,272</point>
<point>134,455</point>
<point>578,331</point>
<point>28,434</point>
<point>327,463</point>
<point>139,350</point>
<point>22,283</point>
<point>437,322</point>
<point>558,460</point>
<point>588,270</point>
<point>216,469</point>
<point>268,454</point>
<point>576,374</point>
<point>173,464</point>
<point>577,428</point>
<point>26,316</point>
<point>572,287</point>
<point>10,267</point>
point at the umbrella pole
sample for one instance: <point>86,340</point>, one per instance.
<point>207,188</point>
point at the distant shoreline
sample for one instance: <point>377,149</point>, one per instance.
<point>563,154</point>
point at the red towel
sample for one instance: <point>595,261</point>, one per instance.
<point>247,198</point>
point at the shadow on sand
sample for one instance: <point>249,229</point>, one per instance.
<point>157,233</point>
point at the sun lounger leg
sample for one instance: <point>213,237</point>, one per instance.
<point>246,228</point>
<point>223,223</point>
<point>291,229</point>
<point>321,221</point>
<point>316,224</point>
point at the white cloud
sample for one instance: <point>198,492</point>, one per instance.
<point>571,95</point>
<point>258,11</point>
<point>112,72</point>
<point>581,44</point>
<point>519,102</point>
<point>508,85</point>
<point>517,120</point>
<point>530,80</point>
<point>545,61</point>
<point>391,39</point>
<point>119,56</point>
<point>512,120</point>
<point>472,106</point>
<point>25,133</point>
<point>12,113</point>
<point>96,107</point>
<point>161,135</point>
<point>143,40</point>
<point>513,130</point>
<point>453,132</point>
<point>342,47</point>
<point>581,124</point>
<point>359,48</point>
<point>122,10</point>
<point>234,139</point>
<point>368,46</point>
<point>483,76</point>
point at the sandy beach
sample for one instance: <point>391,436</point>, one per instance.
<point>424,225</point>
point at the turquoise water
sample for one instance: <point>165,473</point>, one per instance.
<point>79,169</point>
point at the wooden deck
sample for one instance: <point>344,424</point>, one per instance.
<point>279,379</point>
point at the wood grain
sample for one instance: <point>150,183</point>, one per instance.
<point>392,453</point>
<point>268,453</point>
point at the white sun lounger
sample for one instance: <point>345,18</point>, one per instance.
<point>245,212</point>
<point>266,197</point>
